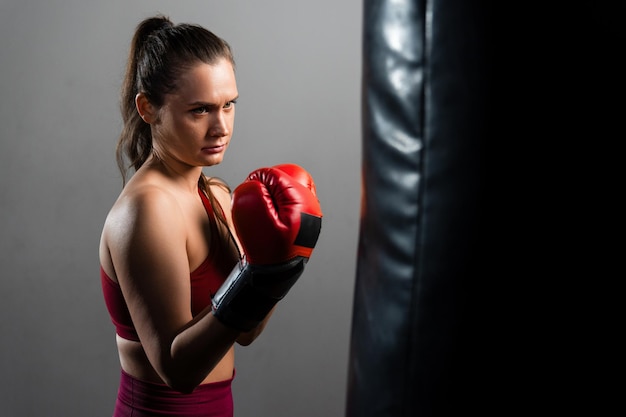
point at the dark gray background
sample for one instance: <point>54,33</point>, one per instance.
<point>61,64</point>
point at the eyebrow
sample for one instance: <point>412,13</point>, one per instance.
<point>207,104</point>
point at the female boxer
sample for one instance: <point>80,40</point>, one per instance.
<point>176,280</point>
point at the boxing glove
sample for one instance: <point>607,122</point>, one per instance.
<point>299,174</point>
<point>278,219</point>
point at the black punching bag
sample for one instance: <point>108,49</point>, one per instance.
<point>425,96</point>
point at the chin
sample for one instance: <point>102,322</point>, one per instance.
<point>213,161</point>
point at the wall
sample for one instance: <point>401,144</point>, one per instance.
<point>61,63</point>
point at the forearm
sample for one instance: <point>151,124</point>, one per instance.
<point>196,351</point>
<point>198,348</point>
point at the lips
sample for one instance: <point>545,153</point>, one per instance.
<point>214,149</point>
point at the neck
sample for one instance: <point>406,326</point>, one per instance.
<point>184,175</point>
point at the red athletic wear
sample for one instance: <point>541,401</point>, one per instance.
<point>138,398</point>
<point>205,281</point>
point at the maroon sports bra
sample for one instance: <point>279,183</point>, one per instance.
<point>205,281</point>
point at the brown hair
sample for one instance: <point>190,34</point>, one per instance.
<point>159,53</point>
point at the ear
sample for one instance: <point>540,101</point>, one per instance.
<point>145,109</point>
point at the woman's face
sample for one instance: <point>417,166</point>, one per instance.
<point>195,123</point>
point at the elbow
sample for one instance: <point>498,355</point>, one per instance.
<point>181,383</point>
<point>186,369</point>
<point>179,377</point>
<point>192,355</point>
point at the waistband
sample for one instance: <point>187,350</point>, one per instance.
<point>161,399</point>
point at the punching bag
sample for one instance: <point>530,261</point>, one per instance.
<point>424,115</point>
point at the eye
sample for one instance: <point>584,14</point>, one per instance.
<point>200,110</point>
<point>230,104</point>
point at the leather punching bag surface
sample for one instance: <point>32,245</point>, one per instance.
<point>424,123</point>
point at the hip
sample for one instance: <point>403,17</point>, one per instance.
<point>139,398</point>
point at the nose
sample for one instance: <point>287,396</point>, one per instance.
<point>219,125</point>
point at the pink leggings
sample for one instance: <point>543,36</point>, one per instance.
<point>137,398</point>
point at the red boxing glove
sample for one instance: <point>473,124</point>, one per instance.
<point>278,218</point>
<point>299,174</point>
<point>275,216</point>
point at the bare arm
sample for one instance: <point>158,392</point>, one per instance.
<point>147,241</point>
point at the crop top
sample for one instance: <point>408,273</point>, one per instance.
<point>205,281</point>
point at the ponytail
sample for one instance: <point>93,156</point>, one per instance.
<point>135,141</point>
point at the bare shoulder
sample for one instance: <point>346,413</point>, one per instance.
<point>142,214</point>
<point>143,202</point>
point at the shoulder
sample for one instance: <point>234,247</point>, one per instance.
<point>147,199</point>
<point>141,209</point>
<point>145,219</point>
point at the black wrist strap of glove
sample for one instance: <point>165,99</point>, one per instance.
<point>251,291</point>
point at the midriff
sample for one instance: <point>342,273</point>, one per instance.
<point>134,362</point>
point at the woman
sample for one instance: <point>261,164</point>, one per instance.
<point>167,245</point>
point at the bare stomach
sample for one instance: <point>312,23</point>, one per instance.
<point>134,362</point>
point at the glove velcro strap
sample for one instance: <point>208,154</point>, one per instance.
<point>310,227</point>
<point>251,291</point>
